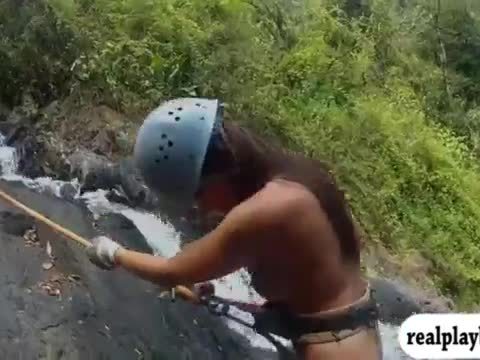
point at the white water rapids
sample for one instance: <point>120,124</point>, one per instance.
<point>164,240</point>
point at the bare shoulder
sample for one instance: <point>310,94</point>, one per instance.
<point>272,209</point>
<point>276,202</point>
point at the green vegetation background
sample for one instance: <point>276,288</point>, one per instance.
<point>385,91</point>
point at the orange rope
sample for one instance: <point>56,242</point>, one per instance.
<point>183,291</point>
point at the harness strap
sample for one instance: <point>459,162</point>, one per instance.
<point>331,325</point>
<point>220,307</point>
<point>327,336</point>
<point>317,328</point>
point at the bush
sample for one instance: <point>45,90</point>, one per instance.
<point>365,88</point>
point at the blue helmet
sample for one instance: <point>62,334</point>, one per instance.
<point>172,143</point>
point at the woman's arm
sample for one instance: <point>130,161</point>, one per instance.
<point>224,250</point>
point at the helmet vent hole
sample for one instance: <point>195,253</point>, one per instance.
<point>177,118</point>
<point>160,148</point>
<point>165,157</point>
<point>170,113</point>
<point>198,104</point>
<point>164,136</point>
<point>202,118</point>
<point>157,161</point>
<point>170,143</point>
<point>180,109</point>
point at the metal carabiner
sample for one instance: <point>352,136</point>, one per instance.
<point>216,307</point>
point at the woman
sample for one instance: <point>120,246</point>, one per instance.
<point>285,221</point>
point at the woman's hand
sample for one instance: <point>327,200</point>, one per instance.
<point>229,247</point>
<point>102,252</point>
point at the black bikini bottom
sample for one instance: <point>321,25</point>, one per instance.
<point>322,327</point>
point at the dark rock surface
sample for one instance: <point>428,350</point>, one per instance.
<point>395,305</point>
<point>4,112</point>
<point>97,314</point>
<point>38,153</point>
<point>109,315</point>
<point>398,301</point>
<point>93,171</point>
<point>15,223</point>
<point>122,229</point>
<point>30,150</point>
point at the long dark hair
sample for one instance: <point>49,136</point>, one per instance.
<point>251,162</point>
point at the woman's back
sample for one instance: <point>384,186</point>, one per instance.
<point>300,266</point>
<point>300,261</point>
<point>285,219</point>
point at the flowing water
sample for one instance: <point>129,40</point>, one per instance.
<point>164,240</point>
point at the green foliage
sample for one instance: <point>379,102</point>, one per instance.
<point>384,91</point>
<point>413,183</point>
<point>161,49</point>
<point>36,51</point>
